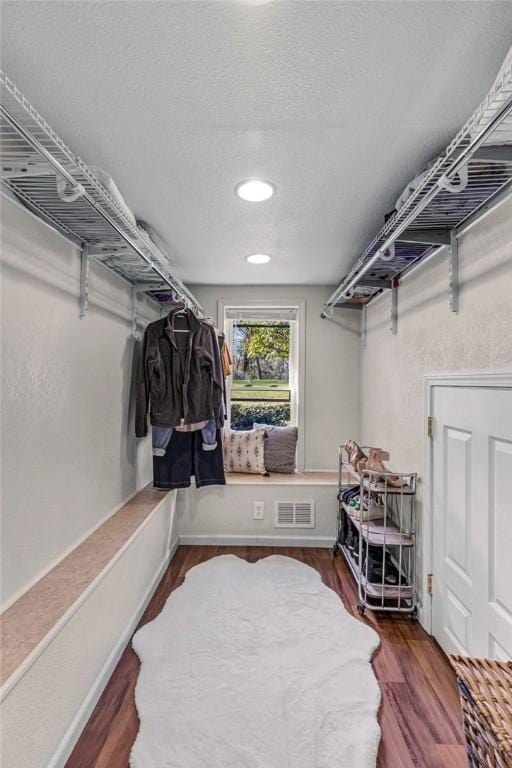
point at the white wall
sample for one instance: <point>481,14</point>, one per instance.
<point>331,364</point>
<point>225,515</point>
<point>431,339</point>
<point>69,455</point>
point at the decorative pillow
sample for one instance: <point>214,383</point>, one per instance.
<point>280,448</point>
<point>243,451</point>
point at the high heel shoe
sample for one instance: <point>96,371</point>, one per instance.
<point>374,464</point>
<point>355,454</point>
<point>362,462</point>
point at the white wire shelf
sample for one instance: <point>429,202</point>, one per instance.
<point>380,532</point>
<point>472,175</point>
<point>35,161</point>
<point>378,482</point>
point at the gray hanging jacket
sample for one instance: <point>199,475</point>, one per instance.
<point>180,375</point>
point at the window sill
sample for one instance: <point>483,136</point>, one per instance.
<point>297,478</point>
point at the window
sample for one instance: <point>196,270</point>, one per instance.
<point>263,387</point>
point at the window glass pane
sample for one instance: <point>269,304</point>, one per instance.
<point>260,386</point>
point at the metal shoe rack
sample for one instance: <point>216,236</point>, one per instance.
<point>40,172</point>
<point>468,180</point>
<point>378,537</point>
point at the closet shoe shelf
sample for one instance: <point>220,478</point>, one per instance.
<point>42,173</point>
<point>375,590</point>
<point>471,177</point>
<point>371,482</point>
<point>380,550</point>
<point>379,532</point>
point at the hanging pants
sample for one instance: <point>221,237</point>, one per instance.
<point>185,457</point>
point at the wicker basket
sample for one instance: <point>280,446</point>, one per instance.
<point>486,695</point>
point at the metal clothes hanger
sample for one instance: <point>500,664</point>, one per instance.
<point>181,306</point>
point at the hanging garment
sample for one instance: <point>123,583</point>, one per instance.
<point>222,347</point>
<point>180,377</point>
<point>185,457</point>
<point>161,436</point>
<point>227,359</point>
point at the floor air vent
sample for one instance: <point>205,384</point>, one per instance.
<point>294,514</point>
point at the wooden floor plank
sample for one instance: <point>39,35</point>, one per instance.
<point>448,756</point>
<point>419,715</point>
<point>393,750</point>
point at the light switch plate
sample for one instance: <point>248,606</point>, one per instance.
<point>258,510</point>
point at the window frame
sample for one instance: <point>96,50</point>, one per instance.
<point>296,359</point>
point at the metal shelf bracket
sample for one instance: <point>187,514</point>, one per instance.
<point>388,254</point>
<point>84,281</point>
<point>426,236</point>
<point>454,272</point>
<point>394,306</point>
<point>143,287</point>
<point>68,193</point>
<point>455,186</point>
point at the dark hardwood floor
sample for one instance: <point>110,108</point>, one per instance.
<point>419,715</point>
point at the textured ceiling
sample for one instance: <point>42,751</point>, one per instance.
<point>337,103</point>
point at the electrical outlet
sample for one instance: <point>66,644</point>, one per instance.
<point>258,512</point>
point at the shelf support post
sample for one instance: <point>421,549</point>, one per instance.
<point>135,302</point>
<point>454,272</point>
<point>363,325</point>
<point>84,281</point>
<point>394,306</point>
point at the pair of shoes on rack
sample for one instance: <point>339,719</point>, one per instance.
<point>352,543</point>
<point>373,462</point>
<point>346,494</point>
<point>358,458</point>
<point>356,504</point>
<point>375,568</point>
<point>372,510</point>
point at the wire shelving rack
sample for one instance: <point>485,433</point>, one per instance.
<point>470,178</point>
<point>42,173</point>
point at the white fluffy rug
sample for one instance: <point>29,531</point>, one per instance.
<point>255,666</point>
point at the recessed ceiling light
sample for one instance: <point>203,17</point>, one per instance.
<point>255,191</point>
<point>258,258</point>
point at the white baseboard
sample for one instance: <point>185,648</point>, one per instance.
<point>254,540</point>
<point>423,619</point>
<point>81,718</point>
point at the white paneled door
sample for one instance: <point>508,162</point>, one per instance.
<point>472,519</point>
